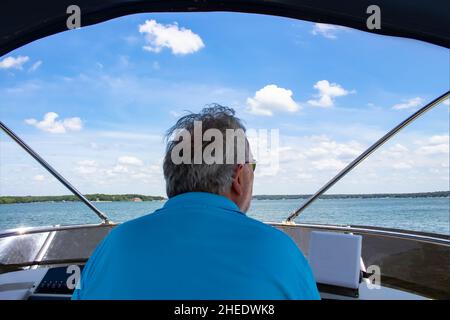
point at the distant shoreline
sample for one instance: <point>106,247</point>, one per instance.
<point>97,197</point>
<point>141,198</point>
<point>435,194</point>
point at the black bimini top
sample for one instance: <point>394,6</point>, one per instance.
<point>23,21</point>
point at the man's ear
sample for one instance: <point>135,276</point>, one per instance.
<point>236,185</point>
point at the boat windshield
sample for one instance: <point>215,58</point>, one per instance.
<point>95,103</point>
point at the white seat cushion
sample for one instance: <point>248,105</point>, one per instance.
<point>335,258</point>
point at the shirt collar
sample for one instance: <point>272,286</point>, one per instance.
<point>203,199</point>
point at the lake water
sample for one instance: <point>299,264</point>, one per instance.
<point>421,214</point>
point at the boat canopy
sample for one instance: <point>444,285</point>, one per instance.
<point>23,21</point>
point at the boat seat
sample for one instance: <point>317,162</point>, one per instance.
<point>335,259</point>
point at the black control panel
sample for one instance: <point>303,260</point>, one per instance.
<point>55,280</point>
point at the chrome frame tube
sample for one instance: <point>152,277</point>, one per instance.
<point>366,153</point>
<point>371,230</point>
<point>395,233</point>
<point>33,230</point>
<point>53,172</point>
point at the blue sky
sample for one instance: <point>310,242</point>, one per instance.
<point>329,91</point>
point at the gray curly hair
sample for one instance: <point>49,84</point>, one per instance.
<point>201,177</point>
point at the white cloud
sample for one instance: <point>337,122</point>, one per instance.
<point>126,167</point>
<point>304,176</point>
<point>271,98</point>
<point>439,139</point>
<point>133,167</point>
<point>89,163</point>
<point>13,63</point>
<point>434,145</point>
<point>394,153</point>
<point>130,161</point>
<point>50,124</point>
<point>398,148</point>
<point>120,169</point>
<point>326,30</point>
<point>39,178</point>
<point>328,164</point>
<point>329,148</point>
<point>86,167</point>
<point>397,166</point>
<point>327,92</point>
<point>447,102</point>
<point>73,124</point>
<point>180,40</point>
<point>434,149</point>
<point>408,104</point>
<point>35,66</point>
<point>402,165</point>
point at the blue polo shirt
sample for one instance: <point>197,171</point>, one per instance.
<point>197,246</point>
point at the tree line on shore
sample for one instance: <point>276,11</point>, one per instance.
<point>363,195</point>
<point>140,197</point>
<point>90,197</point>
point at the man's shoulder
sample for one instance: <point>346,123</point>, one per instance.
<point>132,227</point>
<point>261,233</point>
<point>269,234</point>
